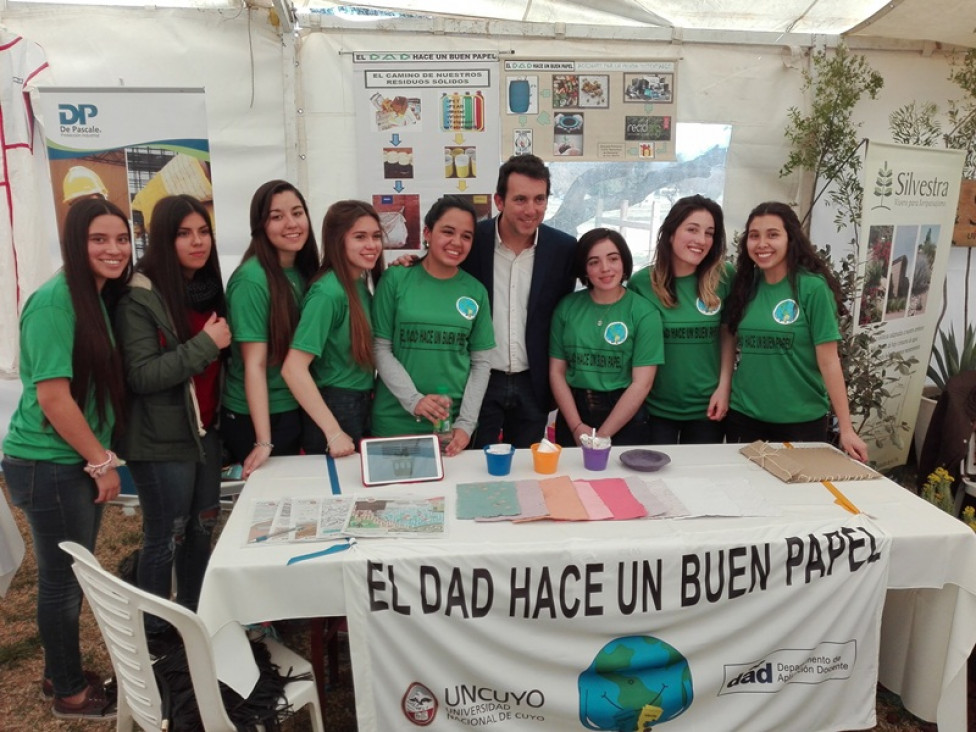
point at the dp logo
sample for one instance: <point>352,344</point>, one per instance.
<point>76,114</point>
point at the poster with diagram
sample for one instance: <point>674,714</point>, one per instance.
<point>429,127</point>
<point>622,111</point>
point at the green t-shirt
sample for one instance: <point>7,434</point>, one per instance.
<point>248,313</point>
<point>685,383</point>
<point>777,379</point>
<point>601,344</point>
<point>47,337</point>
<point>323,331</point>
<point>433,326</point>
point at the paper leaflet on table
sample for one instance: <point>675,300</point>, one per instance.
<point>298,520</point>
<point>402,516</point>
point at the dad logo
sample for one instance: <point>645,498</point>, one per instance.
<point>634,683</point>
<point>76,114</point>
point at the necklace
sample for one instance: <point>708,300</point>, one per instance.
<point>602,312</point>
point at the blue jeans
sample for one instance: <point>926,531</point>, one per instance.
<point>663,431</point>
<point>59,502</point>
<point>350,407</point>
<point>180,504</point>
<point>510,412</point>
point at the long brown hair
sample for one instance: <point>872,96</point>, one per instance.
<point>96,365</point>
<point>708,271</point>
<point>338,221</point>
<point>284,307</point>
<point>800,255</point>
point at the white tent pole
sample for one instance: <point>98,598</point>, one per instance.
<point>293,103</point>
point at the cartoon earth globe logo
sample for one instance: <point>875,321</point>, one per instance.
<point>634,683</point>
<point>467,307</point>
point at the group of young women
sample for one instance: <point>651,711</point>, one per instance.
<point>649,358</point>
<point>151,362</point>
<point>285,362</point>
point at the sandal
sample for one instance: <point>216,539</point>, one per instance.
<point>47,686</point>
<point>95,705</point>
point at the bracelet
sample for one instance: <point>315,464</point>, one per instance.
<point>329,440</point>
<point>111,462</point>
<point>268,445</point>
<point>578,425</point>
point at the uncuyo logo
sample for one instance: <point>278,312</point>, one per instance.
<point>419,705</point>
<point>634,683</point>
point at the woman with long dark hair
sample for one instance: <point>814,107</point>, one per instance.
<point>604,347</point>
<point>259,413</point>
<point>688,284</point>
<point>171,329</point>
<point>329,367</point>
<point>784,308</point>
<point>57,461</point>
<point>432,333</point>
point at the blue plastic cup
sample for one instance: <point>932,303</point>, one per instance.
<point>499,463</point>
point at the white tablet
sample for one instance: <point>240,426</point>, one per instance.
<point>408,459</point>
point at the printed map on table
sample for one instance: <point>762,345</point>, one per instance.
<point>400,516</point>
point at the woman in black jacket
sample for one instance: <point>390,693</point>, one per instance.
<point>171,329</point>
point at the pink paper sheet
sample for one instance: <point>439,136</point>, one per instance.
<point>618,498</point>
<point>594,505</point>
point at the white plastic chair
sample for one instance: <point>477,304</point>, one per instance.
<point>119,608</point>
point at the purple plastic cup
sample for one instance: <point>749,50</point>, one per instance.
<point>595,458</point>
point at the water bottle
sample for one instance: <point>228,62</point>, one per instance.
<point>443,427</point>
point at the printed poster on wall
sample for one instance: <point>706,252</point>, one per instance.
<point>131,146</point>
<point>429,126</point>
<point>778,633</point>
<point>909,212</point>
<point>589,110</point>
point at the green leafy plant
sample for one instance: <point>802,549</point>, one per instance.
<point>951,357</point>
<point>824,142</point>
<point>915,124</point>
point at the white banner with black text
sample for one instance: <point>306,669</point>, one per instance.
<point>774,629</point>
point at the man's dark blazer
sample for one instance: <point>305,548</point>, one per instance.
<point>552,279</point>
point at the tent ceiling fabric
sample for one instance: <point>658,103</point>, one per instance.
<point>942,21</point>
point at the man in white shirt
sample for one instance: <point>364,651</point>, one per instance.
<point>526,267</point>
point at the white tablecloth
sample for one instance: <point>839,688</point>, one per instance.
<point>929,625</point>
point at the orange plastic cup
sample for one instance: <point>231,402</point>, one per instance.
<point>545,462</point>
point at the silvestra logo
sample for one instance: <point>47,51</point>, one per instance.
<point>907,188</point>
